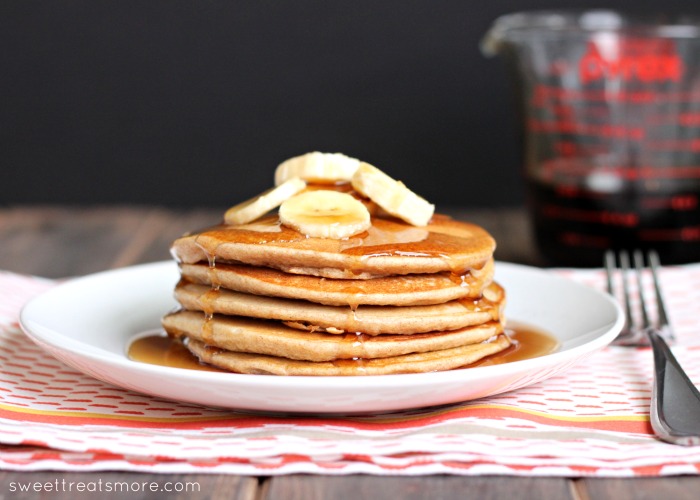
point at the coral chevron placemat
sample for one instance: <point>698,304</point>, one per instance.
<point>591,421</point>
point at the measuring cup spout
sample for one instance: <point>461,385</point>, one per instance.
<point>492,41</point>
<point>504,27</point>
<point>527,28</point>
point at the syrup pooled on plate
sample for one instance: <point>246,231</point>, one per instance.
<point>527,342</point>
<point>157,349</point>
<point>162,350</point>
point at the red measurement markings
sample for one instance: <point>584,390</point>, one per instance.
<point>566,110</point>
<point>562,110</point>
<point>570,149</point>
<point>577,192</point>
<point>682,119</point>
<point>692,145</point>
<point>690,233</point>
<point>545,95</point>
<point>584,240</point>
<point>623,219</point>
<point>690,118</point>
<point>680,203</point>
<point>556,166</point>
<point>582,128</point>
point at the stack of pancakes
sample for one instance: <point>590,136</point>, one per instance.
<point>263,298</point>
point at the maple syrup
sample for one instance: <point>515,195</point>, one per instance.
<point>385,238</point>
<point>575,226</point>
<point>163,350</point>
<point>157,349</point>
<point>527,342</point>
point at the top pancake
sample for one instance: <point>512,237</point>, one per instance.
<point>389,247</point>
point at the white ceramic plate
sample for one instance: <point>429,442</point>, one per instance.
<point>88,323</point>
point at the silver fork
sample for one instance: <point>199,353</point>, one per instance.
<point>675,401</point>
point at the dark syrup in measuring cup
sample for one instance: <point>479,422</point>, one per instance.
<point>574,226</point>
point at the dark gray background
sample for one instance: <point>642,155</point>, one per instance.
<point>195,102</point>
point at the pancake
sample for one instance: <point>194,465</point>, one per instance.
<point>357,276</point>
<point>446,359</point>
<point>372,320</point>
<point>240,334</point>
<point>388,247</point>
<point>404,290</point>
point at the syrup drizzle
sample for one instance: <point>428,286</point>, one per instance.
<point>528,342</point>
<point>385,238</point>
<point>208,300</point>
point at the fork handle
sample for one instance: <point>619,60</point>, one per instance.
<point>673,414</point>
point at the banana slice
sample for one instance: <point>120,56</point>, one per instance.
<point>250,210</point>
<point>392,195</point>
<point>323,168</point>
<point>325,214</point>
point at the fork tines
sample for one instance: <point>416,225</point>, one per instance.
<point>634,331</point>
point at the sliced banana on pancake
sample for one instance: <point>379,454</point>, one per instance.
<point>255,208</point>
<point>392,195</point>
<point>322,168</point>
<point>325,214</point>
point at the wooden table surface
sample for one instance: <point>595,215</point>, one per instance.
<point>60,241</point>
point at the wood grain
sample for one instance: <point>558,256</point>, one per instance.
<point>649,488</point>
<point>306,487</point>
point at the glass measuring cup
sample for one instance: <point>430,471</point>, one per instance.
<point>610,113</point>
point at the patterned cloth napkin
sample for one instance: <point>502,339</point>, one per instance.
<point>590,421</point>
